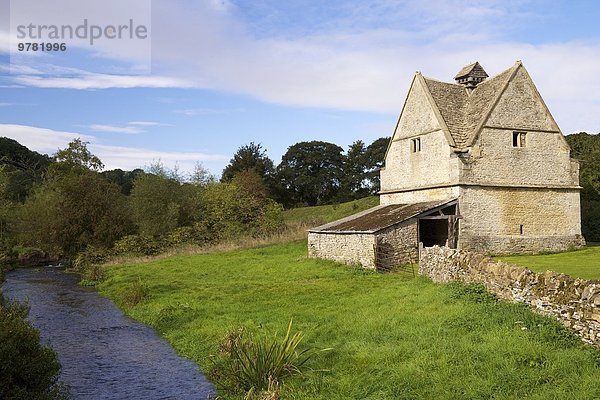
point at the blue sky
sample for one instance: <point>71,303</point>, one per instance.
<point>227,72</point>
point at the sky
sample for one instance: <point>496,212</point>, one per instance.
<point>213,75</point>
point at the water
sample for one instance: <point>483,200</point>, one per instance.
<point>104,354</point>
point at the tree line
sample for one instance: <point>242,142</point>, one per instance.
<point>69,207</point>
<point>315,172</point>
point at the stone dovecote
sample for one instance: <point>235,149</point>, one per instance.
<point>491,145</point>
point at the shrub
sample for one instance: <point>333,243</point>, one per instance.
<point>256,365</point>
<point>28,370</point>
<point>196,234</point>
<point>138,245</point>
<point>90,257</point>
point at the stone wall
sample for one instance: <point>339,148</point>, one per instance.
<point>397,246</point>
<point>433,165</point>
<point>574,302</point>
<point>502,220</point>
<point>355,248</point>
<point>544,161</point>
<point>419,196</point>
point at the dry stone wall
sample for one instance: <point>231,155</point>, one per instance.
<point>396,246</point>
<point>575,302</point>
<point>356,248</point>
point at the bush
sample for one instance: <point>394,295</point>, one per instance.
<point>90,257</point>
<point>138,245</point>
<point>197,234</point>
<point>28,370</point>
<point>8,258</point>
<point>255,365</point>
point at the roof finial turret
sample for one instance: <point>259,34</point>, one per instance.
<point>471,75</point>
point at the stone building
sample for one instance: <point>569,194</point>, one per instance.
<point>479,164</point>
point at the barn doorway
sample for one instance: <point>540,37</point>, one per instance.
<point>433,232</point>
<point>439,228</point>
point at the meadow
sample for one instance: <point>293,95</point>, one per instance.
<point>393,336</point>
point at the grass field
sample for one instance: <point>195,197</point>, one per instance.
<point>322,214</point>
<point>584,263</point>
<point>394,336</point>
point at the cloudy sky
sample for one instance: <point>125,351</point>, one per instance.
<point>216,74</point>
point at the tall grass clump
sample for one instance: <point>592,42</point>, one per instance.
<point>136,293</point>
<point>256,365</point>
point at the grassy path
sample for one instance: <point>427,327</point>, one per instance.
<point>394,337</point>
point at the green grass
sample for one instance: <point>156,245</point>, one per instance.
<point>327,213</point>
<point>394,336</point>
<point>584,263</point>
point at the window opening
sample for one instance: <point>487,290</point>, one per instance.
<point>519,139</point>
<point>415,145</point>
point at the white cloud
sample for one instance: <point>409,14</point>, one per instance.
<point>192,112</point>
<point>49,141</point>
<point>116,129</point>
<point>40,139</point>
<point>7,104</point>
<point>101,81</point>
<point>147,123</point>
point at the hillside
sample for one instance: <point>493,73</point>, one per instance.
<point>318,215</point>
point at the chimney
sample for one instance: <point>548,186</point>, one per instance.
<point>471,75</point>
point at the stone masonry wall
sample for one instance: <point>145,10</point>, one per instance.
<point>544,161</point>
<point>357,248</point>
<point>433,165</point>
<point>418,196</point>
<point>574,302</point>
<point>397,245</point>
<point>519,220</point>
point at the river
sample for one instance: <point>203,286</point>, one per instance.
<point>104,354</point>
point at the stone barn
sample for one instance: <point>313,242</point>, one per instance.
<point>479,164</point>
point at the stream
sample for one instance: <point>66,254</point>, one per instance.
<point>103,354</point>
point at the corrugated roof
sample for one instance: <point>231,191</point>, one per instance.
<point>463,110</point>
<point>380,217</point>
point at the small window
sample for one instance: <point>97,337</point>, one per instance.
<point>521,229</point>
<point>519,139</point>
<point>415,145</point>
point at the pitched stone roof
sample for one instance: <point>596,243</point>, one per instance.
<point>378,218</point>
<point>464,110</point>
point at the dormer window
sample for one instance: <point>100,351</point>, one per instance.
<point>519,139</point>
<point>415,145</point>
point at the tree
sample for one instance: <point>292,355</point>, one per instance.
<point>68,213</point>
<point>161,204</point>
<point>353,181</point>
<point>231,210</point>
<point>123,179</point>
<point>23,168</point>
<point>249,157</point>
<point>586,148</point>
<point>77,155</point>
<point>310,173</point>
<point>374,161</point>
<point>201,176</point>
